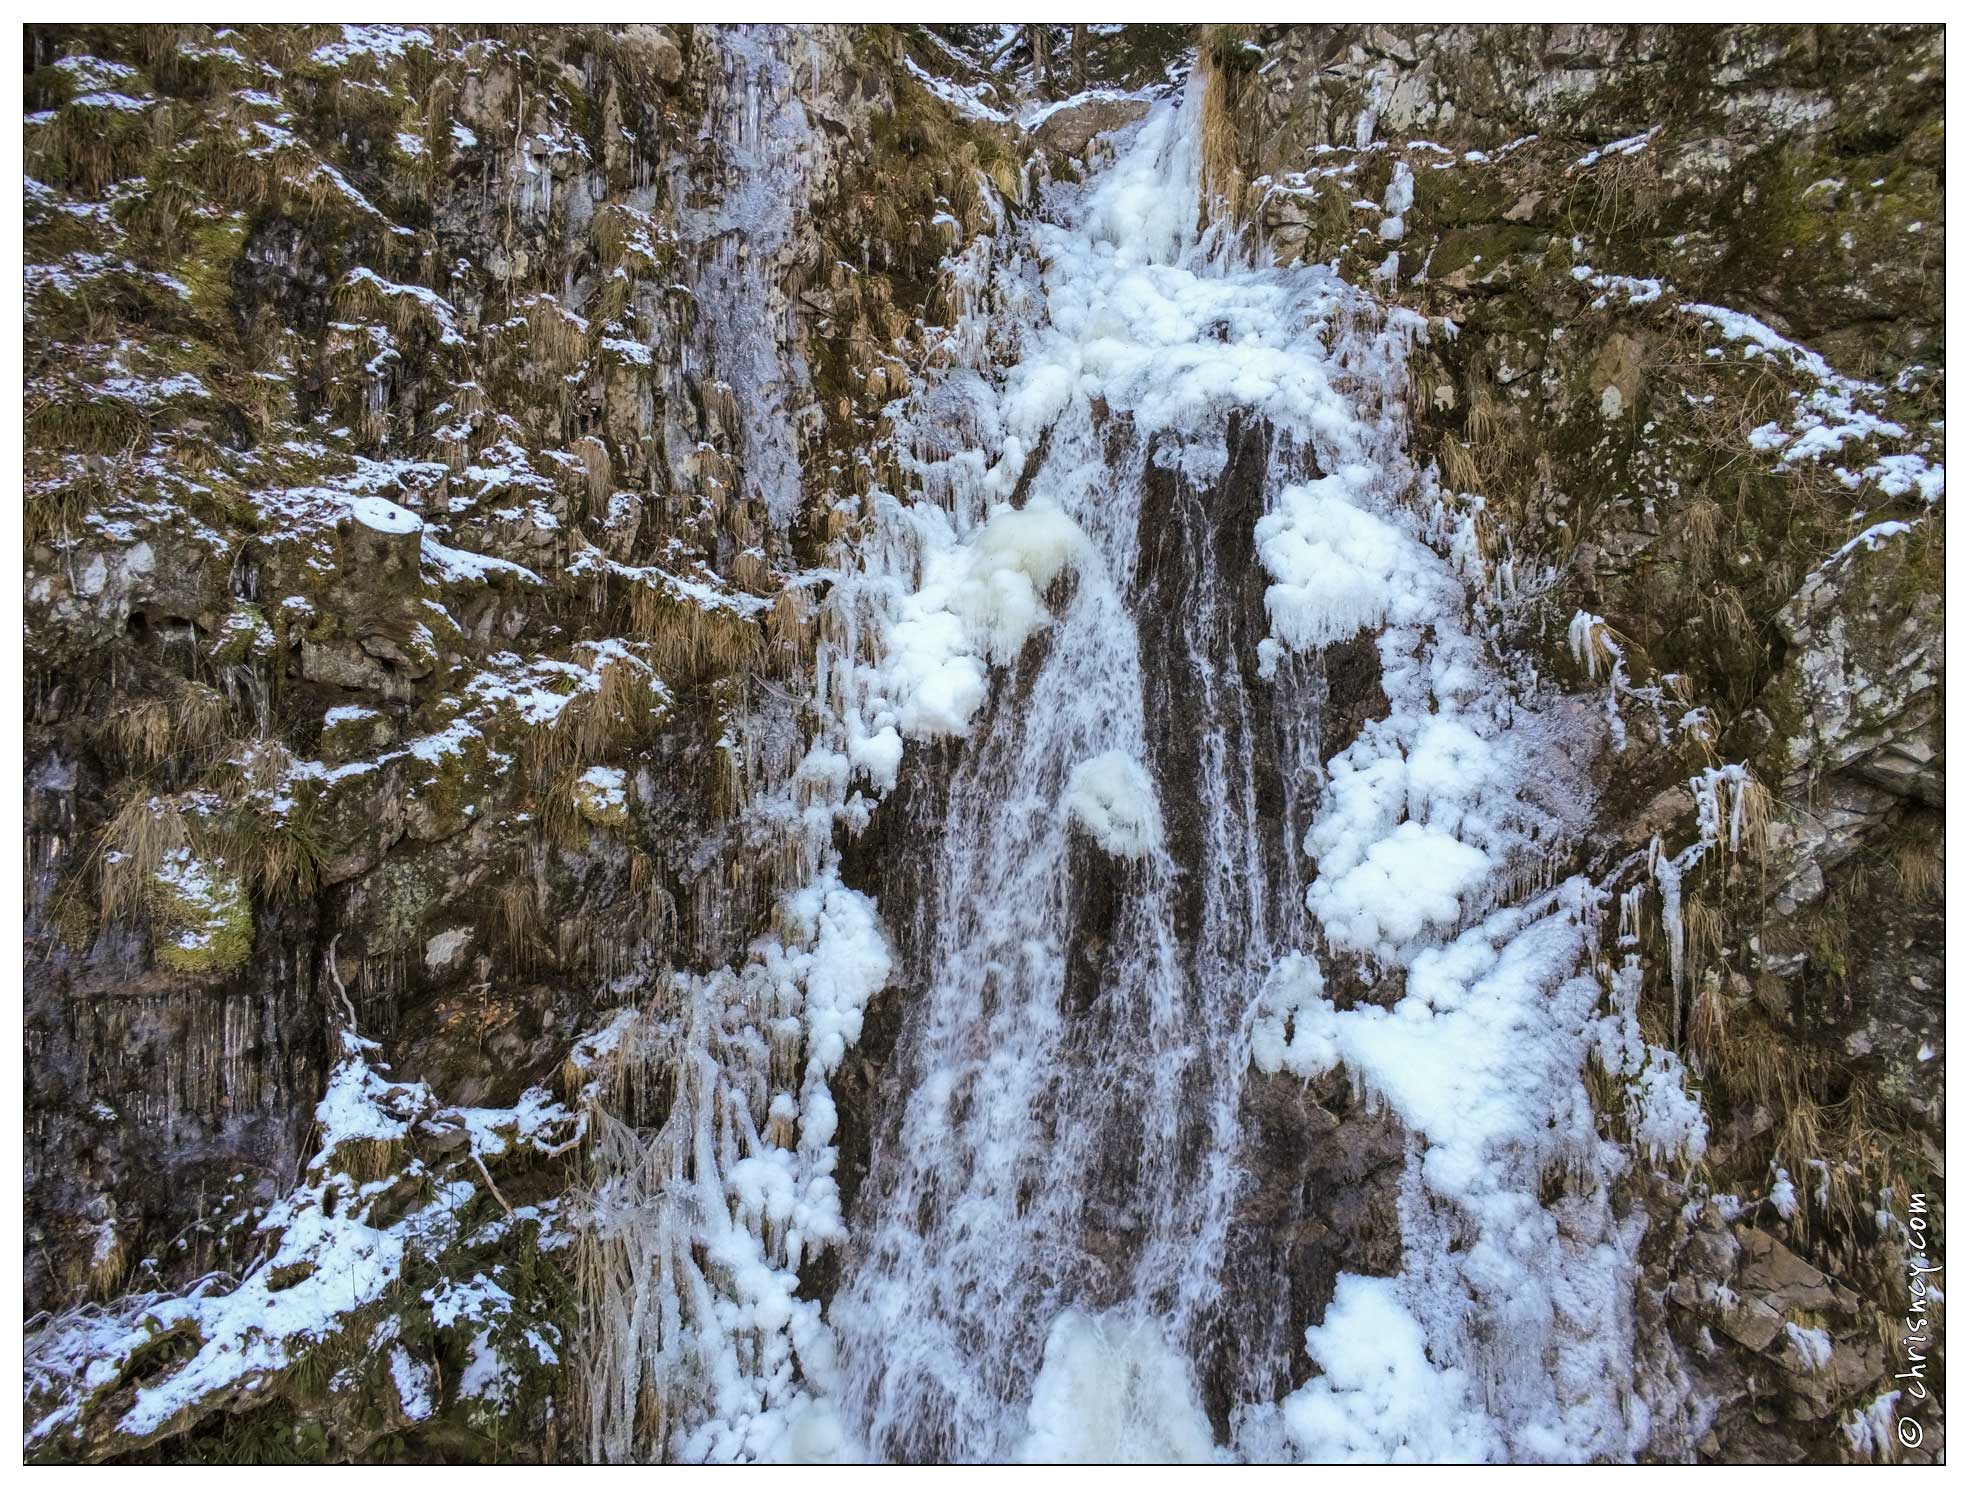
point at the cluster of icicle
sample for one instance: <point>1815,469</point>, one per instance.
<point>714,1158</point>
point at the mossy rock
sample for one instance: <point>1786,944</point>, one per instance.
<point>243,635</point>
<point>202,918</point>
<point>600,797</point>
<point>352,732</point>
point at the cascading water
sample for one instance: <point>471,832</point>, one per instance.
<point>1154,483</point>
<point>1118,933</point>
<point>1068,1136</point>
<point>767,148</point>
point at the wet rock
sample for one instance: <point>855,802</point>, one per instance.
<point>1068,131</point>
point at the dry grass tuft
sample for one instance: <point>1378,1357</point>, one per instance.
<point>96,425</point>
<point>135,842</point>
<point>151,731</point>
<point>690,638</point>
<point>790,627</point>
<point>281,855</point>
<point>750,571</point>
<point>1918,868</point>
<point>437,122</point>
<point>1709,1020</point>
<point>86,149</point>
<point>1596,646</point>
<point>367,1159</point>
<point>1460,472</point>
<point>518,916</point>
<point>139,733</point>
<point>200,718</point>
<point>1699,522</point>
<point>1702,936</point>
<point>109,1263</point>
<point>627,703</point>
<point>600,473</point>
<point>560,819</point>
<point>1754,804</point>
<point>557,337</point>
<point>1223,172</point>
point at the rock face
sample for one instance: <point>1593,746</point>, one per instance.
<point>1865,669</point>
<point>441,443</point>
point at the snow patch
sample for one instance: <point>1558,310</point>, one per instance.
<point>1114,799</point>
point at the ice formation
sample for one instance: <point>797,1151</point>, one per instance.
<point>1113,1391</point>
<point>1505,1334</point>
<point>1113,798</point>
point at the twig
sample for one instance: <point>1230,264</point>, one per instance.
<point>335,978</point>
<point>486,1174</point>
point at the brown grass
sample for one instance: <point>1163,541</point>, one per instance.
<point>1223,171</point>
<point>367,1159</point>
<point>108,1266</point>
<point>86,149</point>
<point>686,637</point>
<point>134,844</point>
<point>1699,522</point>
<point>518,917</point>
<point>556,336</point>
<point>560,820</point>
<point>1598,649</point>
<point>790,626</point>
<point>750,571</point>
<point>600,473</point>
<point>1918,868</point>
<point>626,704</point>
<point>281,855</point>
<point>1709,1021</point>
<point>147,733</point>
<point>138,732</point>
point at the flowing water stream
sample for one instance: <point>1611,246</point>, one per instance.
<point>1066,1156</point>
<point>1149,489</point>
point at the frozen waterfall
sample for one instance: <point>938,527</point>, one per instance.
<point>1151,486</point>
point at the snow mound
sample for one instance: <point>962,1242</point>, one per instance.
<point>1114,799</point>
<point>1335,564</point>
<point>382,516</point>
<point>979,603</point>
<point>1378,1398</point>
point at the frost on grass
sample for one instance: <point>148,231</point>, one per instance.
<point>703,1216</point>
<point>1869,1432</point>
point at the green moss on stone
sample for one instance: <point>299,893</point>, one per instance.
<point>202,919</point>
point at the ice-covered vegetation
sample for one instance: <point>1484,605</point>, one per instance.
<point>375,1213</point>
